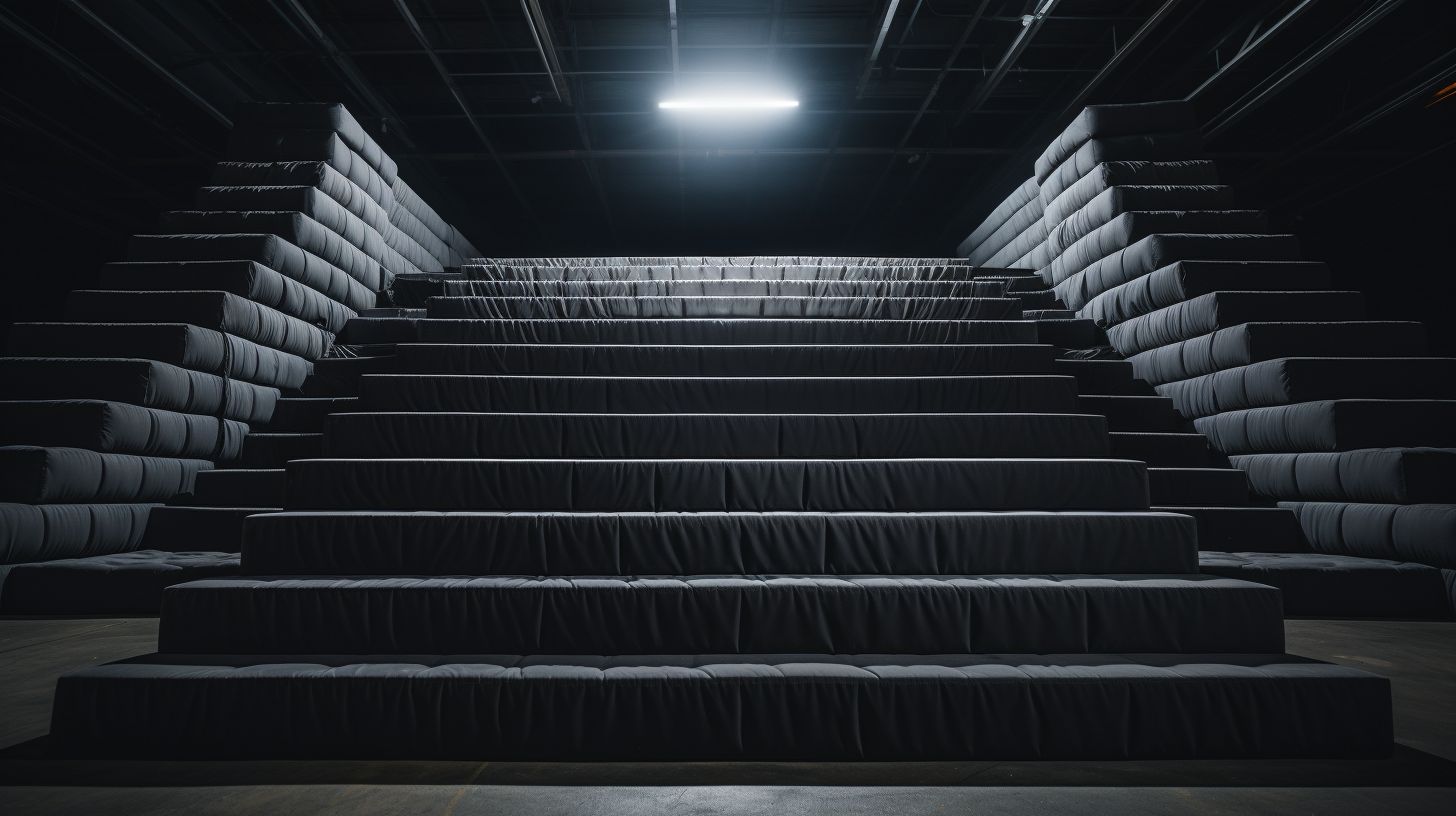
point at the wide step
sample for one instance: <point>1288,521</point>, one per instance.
<point>699,331</point>
<point>654,307</point>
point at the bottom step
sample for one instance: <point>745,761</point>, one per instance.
<point>1318,585</point>
<point>728,707</point>
<point>123,584</point>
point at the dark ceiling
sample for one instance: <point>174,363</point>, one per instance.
<point>916,116</point>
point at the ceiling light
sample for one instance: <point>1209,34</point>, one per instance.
<point>727,103</point>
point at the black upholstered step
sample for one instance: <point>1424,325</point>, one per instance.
<point>180,344</point>
<point>1027,281</point>
<point>40,532</point>
<point>1183,450</point>
<point>1077,260</point>
<point>1072,333</point>
<point>294,227</point>
<point>114,427</point>
<point>1253,342</point>
<point>1134,413</point>
<point>246,279</point>
<point>1221,310</point>
<point>1320,585</point>
<point>339,376</point>
<point>739,360</point>
<point>523,393</point>
<point>726,707</point>
<point>512,543</point>
<point>1424,533</point>
<point>147,383</point>
<point>730,614</point>
<point>729,287</point>
<point>126,583</point>
<point>1264,529</point>
<point>1389,475</point>
<point>711,331</point>
<point>1306,379</point>
<point>380,330</point>
<point>623,485</point>
<point>240,487</point>
<point>1332,425</point>
<point>644,307</point>
<point>555,270</point>
<point>220,311</point>
<point>38,475</point>
<point>716,436</point>
<point>307,414</point>
<point>175,528</point>
<point>1185,280</point>
<point>1195,487</point>
<point>273,450</point>
<point>1098,377</point>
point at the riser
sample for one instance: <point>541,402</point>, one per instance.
<point>1101,377</point>
<point>240,488</point>
<point>198,529</point>
<point>1198,487</point>
<point>307,414</point>
<point>991,394</point>
<point>1253,342</point>
<point>849,308</point>
<point>1253,529</point>
<point>711,485</point>
<point>752,331</point>
<point>1173,450</point>
<point>717,543</point>
<point>1333,425</point>
<point>1319,585</point>
<point>273,450</point>
<point>714,436</point>
<point>741,361</point>
<point>723,288</point>
<point>447,616</point>
<point>1307,379</point>
<point>1135,413</point>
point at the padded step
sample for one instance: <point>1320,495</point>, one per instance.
<point>1157,251</point>
<point>219,311</point>
<point>1221,310</point>
<point>411,543</point>
<point>191,529</point>
<point>362,330</point>
<point>180,344</point>
<point>339,376</point>
<point>36,475</point>
<point>294,227</point>
<point>1265,529</point>
<point>1423,533</point>
<point>1306,379</point>
<point>738,707</point>
<point>40,532</point>
<point>721,615</point>
<point>246,279</point>
<point>730,287</point>
<point>1134,413</point>
<point>1332,425</point>
<point>129,583</point>
<point>652,308</point>
<point>1072,334</point>
<point>741,361</point>
<point>1196,487</point>
<point>1319,585</point>
<point>671,395</point>
<point>718,331</point>
<point>1383,475</point>
<point>241,487</point>
<point>1079,262</point>
<point>1186,280</point>
<point>717,485</point>
<point>274,450</point>
<point>1049,314</point>
<point>114,427</point>
<point>713,436</point>
<point>307,414</point>
<point>1101,377</point>
<point>147,383</point>
<point>554,270</point>
<point>1253,342</point>
<point>1178,450</point>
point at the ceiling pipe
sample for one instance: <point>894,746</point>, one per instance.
<point>1030,25</point>
<point>1250,47</point>
<point>541,34</point>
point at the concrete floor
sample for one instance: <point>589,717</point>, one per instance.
<point>1420,659</point>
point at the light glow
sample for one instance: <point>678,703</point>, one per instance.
<point>728,103</point>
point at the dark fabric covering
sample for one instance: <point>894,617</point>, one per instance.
<point>263,118</point>
<point>184,345</point>
<point>744,361</point>
<point>421,210</point>
<point>246,279</point>
<point>410,215</point>
<point>1119,232</point>
<point>835,272</point>
<point>114,427</point>
<point>52,475</point>
<point>1333,425</point>
<point>1126,173</point>
<point>728,331</point>
<point>1157,251</point>
<point>219,311</point>
<point>979,245</point>
<point>823,485</point>
<point>1021,250</point>
<point>1306,379</point>
<point>738,261</point>
<point>1009,241</point>
<point>691,615</point>
<point>1317,584</point>
<point>1386,475</point>
<point>139,382</point>
<point>753,436</point>
<point>674,395</point>
<point>1101,121</point>
<point>933,308</point>
<point>1221,310</point>
<point>728,287</point>
<point>255,147</point>
<point>1153,147</point>
<point>717,543</point>
<point>183,529</point>
<point>1114,202</point>
<point>1424,533</point>
<point>296,228</point>
<point>240,487</point>
<point>1271,529</point>
<point>38,532</point>
<point>879,707</point>
<point>269,250</point>
<point>228,177</point>
<point>117,584</point>
<point>1185,280</point>
<point>1252,342</point>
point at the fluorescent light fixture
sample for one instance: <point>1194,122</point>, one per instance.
<point>728,103</point>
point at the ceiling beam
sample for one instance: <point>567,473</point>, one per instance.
<point>1251,46</point>
<point>1154,20</point>
<point>984,89</point>
<point>541,34</point>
